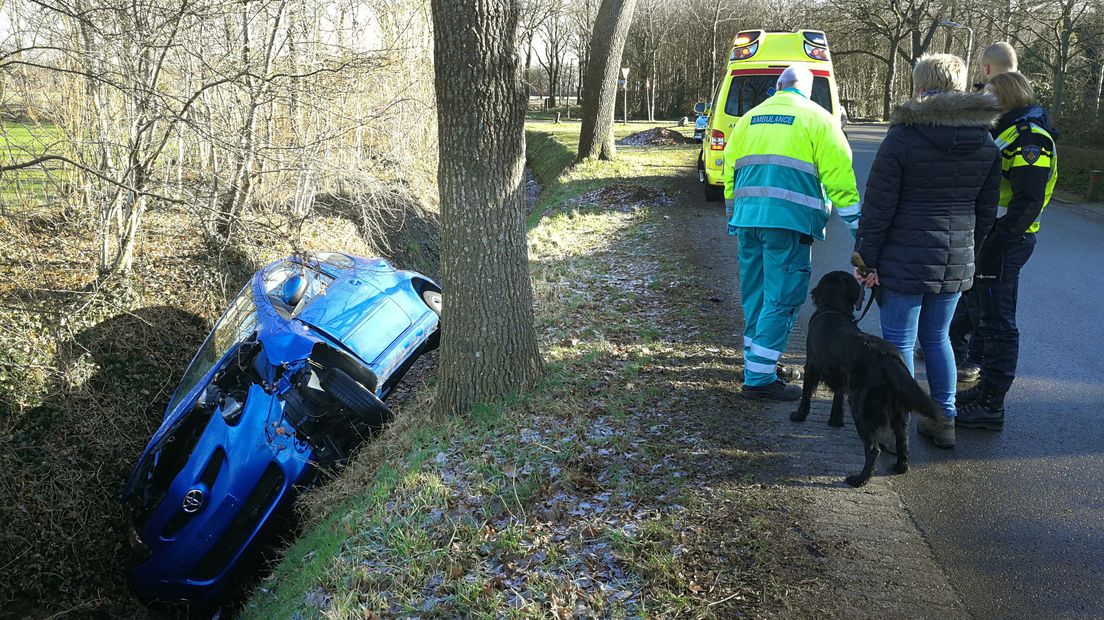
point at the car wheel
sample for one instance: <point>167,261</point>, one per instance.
<point>433,300</point>
<point>365,407</point>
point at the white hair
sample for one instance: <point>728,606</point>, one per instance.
<point>797,76</point>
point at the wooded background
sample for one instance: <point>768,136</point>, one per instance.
<point>676,49</point>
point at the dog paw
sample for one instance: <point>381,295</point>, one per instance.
<point>900,468</point>
<point>856,481</point>
<point>837,422</point>
<point>798,416</point>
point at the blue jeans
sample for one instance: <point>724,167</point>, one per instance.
<point>929,316</point>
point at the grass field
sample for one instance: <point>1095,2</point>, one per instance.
<point>31,186</point>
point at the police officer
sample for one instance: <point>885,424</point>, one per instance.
<point>1029,165</point>
<point>781,159</point>
<point>998,58</point>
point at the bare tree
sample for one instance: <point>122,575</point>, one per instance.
<point>489,346</point>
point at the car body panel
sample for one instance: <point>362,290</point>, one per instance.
<point>775,51</point>
<point>229,457</point>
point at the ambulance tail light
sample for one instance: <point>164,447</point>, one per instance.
<point>717,140</point>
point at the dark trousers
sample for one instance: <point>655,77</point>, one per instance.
<point>997,340</point>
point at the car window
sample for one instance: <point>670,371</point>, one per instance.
<point>276,276</point>
<point>747,91</point>
<point>236,324</point>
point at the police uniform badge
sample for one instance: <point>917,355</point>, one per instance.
<point>1031,153</point>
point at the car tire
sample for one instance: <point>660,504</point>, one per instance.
<point>432,299</point>
<point>367,410</point>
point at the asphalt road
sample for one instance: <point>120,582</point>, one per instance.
<point>1017,518</point>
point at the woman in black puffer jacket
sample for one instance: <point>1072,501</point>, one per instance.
<point>929,203</point>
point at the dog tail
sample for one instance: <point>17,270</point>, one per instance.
<point>906,388</point>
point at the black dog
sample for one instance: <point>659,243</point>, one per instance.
<point>868,369</point>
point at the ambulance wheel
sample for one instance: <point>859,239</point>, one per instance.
<point>713,193</point>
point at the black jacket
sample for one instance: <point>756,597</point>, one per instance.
<point>932,194</point>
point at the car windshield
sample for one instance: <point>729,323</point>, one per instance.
<point>236,324</point>
<point>316,282</point>
<point>748,91</point>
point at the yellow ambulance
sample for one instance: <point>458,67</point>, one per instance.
<point>757,58</point>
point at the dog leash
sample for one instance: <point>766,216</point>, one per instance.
<point>857,261</point>
<point>869,302</point>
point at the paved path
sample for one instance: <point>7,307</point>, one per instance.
<point>1008,525</point>
<point>1017,518</point>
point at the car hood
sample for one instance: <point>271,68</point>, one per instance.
<point>358,315</point>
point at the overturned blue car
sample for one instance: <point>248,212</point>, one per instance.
<point>291,379</point>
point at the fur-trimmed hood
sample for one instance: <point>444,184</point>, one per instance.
<point>949,109</point>
<point>952,122</point>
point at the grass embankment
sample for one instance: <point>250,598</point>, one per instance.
<point>590,494</point>
<point>1075,164</point>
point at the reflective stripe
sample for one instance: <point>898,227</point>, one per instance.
<point>747,342</point>
<point>782,194</point>
<point>1001,144</point>
<point>770,354</point>
<point>854,209</point>
<point>765,369</point>
<point>775,160</point>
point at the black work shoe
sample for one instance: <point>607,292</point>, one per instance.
<point>967,396</point>
<point>969,373</point>
<point>777,391</point>
<point>978,414</point>
<point>787,373</point>
<point>941,432</point>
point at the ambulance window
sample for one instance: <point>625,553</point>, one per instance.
<point>747,91</point>
<point>822,93</point>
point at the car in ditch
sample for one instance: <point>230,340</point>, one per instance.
<point>290,380</point>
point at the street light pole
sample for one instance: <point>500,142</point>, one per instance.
<point>969,39</point>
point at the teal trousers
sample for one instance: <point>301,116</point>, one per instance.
<point>774,281</point>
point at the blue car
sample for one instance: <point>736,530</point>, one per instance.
<point>291,379</point>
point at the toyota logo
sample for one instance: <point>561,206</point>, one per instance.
<point>193,500</point>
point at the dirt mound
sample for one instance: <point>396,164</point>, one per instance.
<point>627,196</point>
<point>660,136</point>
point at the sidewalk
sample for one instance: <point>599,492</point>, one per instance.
<point>868,546</point>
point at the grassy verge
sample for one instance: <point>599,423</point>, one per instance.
<point>591,494</point>
<point>1074,166</point>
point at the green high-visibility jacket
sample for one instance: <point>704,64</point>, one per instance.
<point>786,163</point>
<point>1029,168</point>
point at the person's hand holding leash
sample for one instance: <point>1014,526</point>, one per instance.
<point>870,280</point>
<point>865,275</point>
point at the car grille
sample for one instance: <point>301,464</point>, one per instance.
<point>208,477</point>
<point>257,505</point>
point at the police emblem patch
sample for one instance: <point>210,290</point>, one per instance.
<point>1031,153</point>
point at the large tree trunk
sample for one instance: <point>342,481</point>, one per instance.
<point>611,28</point>
<point>488,345</point>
